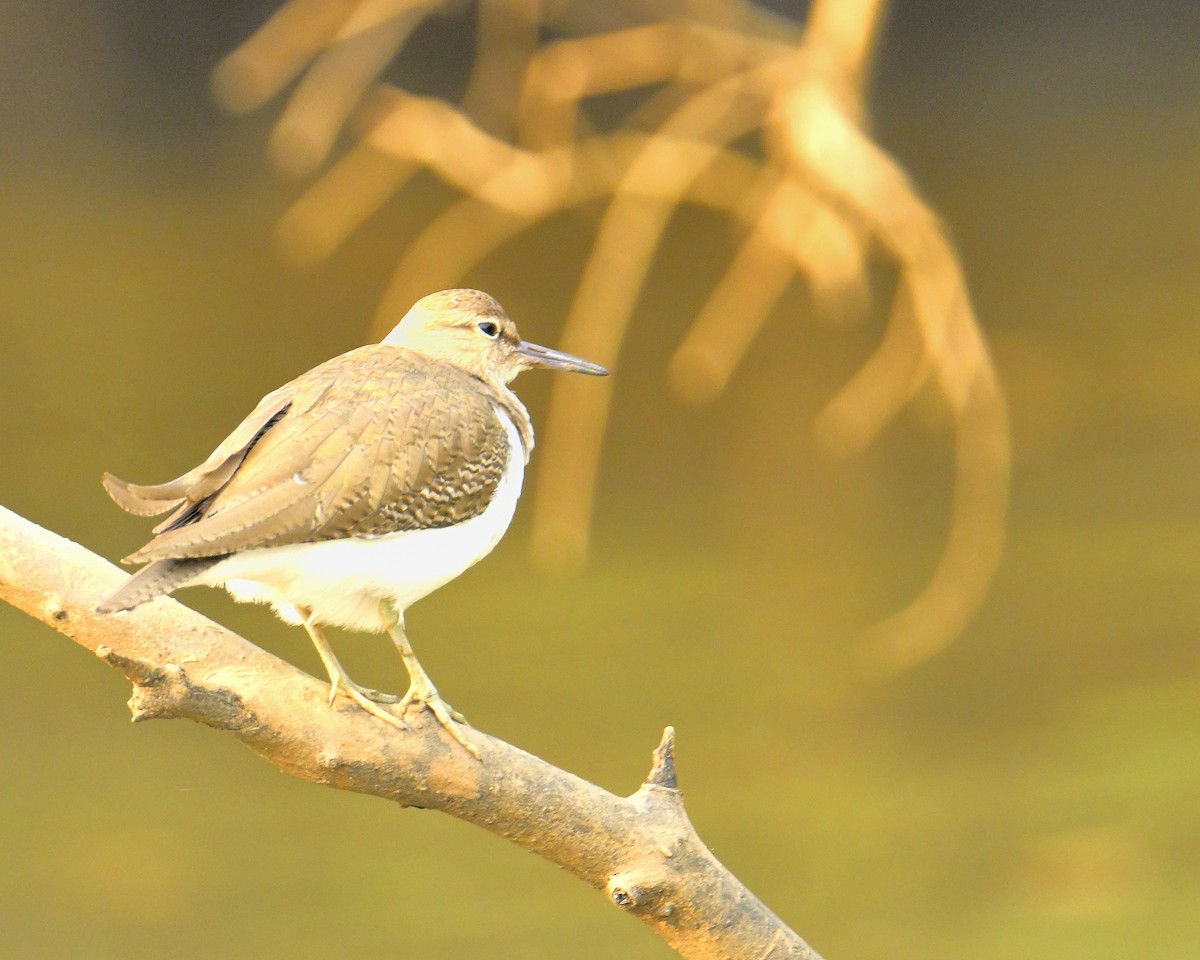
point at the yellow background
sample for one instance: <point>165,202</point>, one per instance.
<point>1033,791</point>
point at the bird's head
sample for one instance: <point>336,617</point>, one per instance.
<point>470,330</point>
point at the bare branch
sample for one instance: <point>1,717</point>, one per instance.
<point>641,850</point>
<point>744,111</point>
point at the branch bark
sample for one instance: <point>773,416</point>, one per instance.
<point>641,851</point>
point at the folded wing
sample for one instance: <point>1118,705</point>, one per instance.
<point>366,444</point>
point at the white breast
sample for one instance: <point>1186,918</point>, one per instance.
<point>343,581</point>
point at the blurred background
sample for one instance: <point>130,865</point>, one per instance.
<point>1030,790</point>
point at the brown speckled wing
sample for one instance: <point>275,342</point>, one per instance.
<point>375,441</point>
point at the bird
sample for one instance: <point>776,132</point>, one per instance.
<point>358,488</point>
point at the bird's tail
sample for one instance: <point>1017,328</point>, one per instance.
<point>155,579</point>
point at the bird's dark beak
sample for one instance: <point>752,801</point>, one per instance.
<point>556,360</point>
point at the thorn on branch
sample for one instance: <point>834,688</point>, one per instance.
<point>662,770</point>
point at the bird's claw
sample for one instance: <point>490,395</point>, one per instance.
<point>378,697</point>
<point>369,700</point>
<point>446,715</point>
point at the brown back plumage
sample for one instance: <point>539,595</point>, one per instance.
<point>378,440</point>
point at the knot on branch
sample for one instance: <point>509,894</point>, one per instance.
<point>637,892</point>
<point>165,691</point>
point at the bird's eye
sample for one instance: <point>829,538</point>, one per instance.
<point>489,329</point>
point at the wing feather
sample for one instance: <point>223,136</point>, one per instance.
<point>208,477</point>
<point>368,443</point>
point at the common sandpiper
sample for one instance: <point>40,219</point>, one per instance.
<point>358,488</point>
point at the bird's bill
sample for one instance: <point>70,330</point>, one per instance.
<point>557,360</point>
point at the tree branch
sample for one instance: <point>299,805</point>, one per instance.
<point>641,850</point>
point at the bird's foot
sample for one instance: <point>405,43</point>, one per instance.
<point>370,701</point>
<point>421,690</point>
<point>426,695</point>
<point>374,695</point>
<point>365,697</point>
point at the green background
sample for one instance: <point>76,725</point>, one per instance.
<point>1033,791</point>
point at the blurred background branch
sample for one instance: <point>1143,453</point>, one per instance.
<point>735,109</point>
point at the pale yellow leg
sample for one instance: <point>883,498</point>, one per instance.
<point>365,697</point>
<point>421,688</point>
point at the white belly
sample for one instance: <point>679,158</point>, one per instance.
<point>343,581</point>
